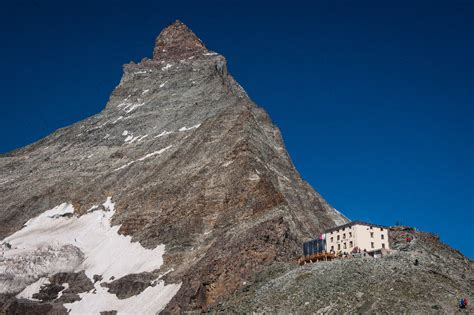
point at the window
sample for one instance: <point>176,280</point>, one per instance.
<point>344,235</point>
<point>371,228</point>
<point>350,234</point>
<point>382,236</point>
<point>338,246</point>
<point>338,237</point>
<point>381,229</point>
<point>372,244</point>
<point>332,239</point>
<point>345,245</point>
<point>351,244</point>
<point>372,234</point>
<point>332,248</point>
<point>383,245</point>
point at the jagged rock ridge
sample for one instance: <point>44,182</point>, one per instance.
<point>189,161</point>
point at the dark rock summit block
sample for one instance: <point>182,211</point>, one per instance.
<point>177,41</point>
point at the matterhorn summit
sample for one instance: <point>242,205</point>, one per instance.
<point>167,200</point>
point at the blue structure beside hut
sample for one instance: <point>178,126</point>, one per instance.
<point>314,247</point>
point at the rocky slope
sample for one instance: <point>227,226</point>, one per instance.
<point>421,277</point>
<point>181,164</point>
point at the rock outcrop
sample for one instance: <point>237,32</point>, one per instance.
<point>423,276</point>
<point>189,162</point>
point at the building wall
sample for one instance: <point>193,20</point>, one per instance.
<point>363,236</point>
<point>371,238</point>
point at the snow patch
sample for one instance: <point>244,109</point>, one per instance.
<point>55,213</point>
<point>93,234</point>
<point>189,128</point>
<point>132,107</point>
<point>152,300</point>
<point>129,106</point>
<point>5,181</point>
<point>145,91</point>
<point>141,138</point>
<point>129,138</point>
<point>254,177</point>
<point>164,133</point>
<point>149,155</point>
<point>228,163</point>
<point>340,218</point>
<point>60,293</point>
<point>103,125</point>
<point>168,65</point>
<point>105,252</point>
<point>134,139</point>
<point>116,120</point>
<point>163,84</point>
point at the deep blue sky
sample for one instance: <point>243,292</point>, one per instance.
<point>374,98</point>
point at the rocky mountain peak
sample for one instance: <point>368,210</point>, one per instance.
<point>177,41</point>
<point>190,169</point>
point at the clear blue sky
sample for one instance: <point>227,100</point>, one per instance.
<point>374,98</point>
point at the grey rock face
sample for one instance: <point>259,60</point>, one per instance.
<point>130,285</point>
<point>50,298</point>
<point>189,160</point>
<point>17,271</point>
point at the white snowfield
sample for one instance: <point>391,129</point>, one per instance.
<point>63,242</point>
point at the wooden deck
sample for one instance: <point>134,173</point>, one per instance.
<point>316,257</point>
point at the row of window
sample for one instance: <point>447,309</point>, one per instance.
<point>339,237</point>
<point>344,245</point>
<point>350,235</point>
<point>343,229</point>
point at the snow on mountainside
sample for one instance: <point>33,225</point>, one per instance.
<point>59,230</point>
<point>192,164</point>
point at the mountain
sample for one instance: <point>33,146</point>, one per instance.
<point>169,199</point>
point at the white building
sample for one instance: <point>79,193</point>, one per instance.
<point>364,236</point>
